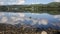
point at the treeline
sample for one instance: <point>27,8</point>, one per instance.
<point>52,8</point>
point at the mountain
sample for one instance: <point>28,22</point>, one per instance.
<point>51,8</point>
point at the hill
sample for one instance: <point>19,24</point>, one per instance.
<point>52,8</point>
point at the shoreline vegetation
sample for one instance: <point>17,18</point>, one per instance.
<point>51,8</point>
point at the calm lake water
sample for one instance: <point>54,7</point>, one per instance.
<point>34,19</point>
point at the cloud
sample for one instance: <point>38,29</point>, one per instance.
<point>1,14</point>
<point>34,22</point>
<point>57,0</point>
<point>15,18</point>
<point>20,2</point>
<point>11,2</point>
<point>43,21</point>
<point>4,19</point>
<point>21,14</point>
<point>40,21</point>
<point>57,17</point>
<point>11,18</point>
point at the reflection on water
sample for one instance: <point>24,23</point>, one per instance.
<point>34,19</point>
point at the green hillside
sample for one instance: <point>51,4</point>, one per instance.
<point>52,8</point>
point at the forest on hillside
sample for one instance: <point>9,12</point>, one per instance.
<point>51,8</point>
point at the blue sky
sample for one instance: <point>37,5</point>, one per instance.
<point>19,2</point>
<point>38,1</point>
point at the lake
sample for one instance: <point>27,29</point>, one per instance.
<point>33,19</point>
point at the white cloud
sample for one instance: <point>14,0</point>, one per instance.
<point>43,21</point>
<point>20,2</point>
<point>4,19</point>
<point>11,2</point>
<point>57,0</point>
<point>34,22</point>
<point>1,14</point>
<point>40,21</point>
<point>21,14</point>
<point>57,17</point>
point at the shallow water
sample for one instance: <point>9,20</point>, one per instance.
<point>34,19</point>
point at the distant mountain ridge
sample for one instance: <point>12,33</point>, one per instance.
<point>51,8</point>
